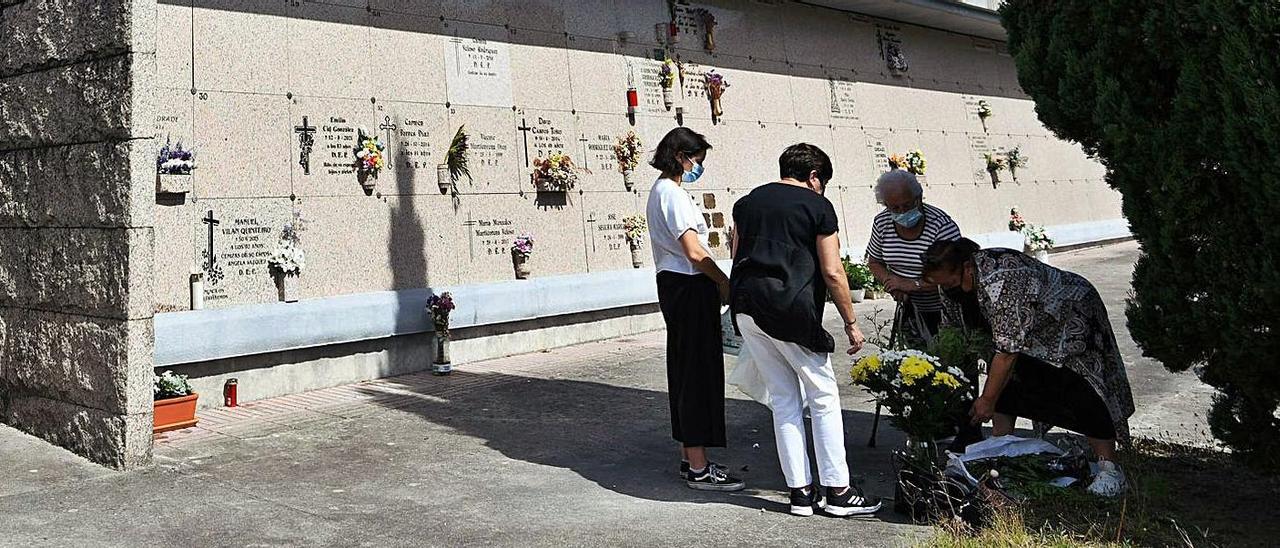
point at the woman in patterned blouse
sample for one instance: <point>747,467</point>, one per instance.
<point>1056,362</point>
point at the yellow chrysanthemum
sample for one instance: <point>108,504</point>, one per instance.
<point>914,368</point>
<point>943,378</point>
<point>863,368</point>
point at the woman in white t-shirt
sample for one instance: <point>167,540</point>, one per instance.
<point>691,288</point>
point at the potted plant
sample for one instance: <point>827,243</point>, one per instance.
<point>369,160</point>
<point>716,84</point>
<point>995,164</point>
<point>984,112</point>
<point>627,150</point>
<point>635,226</point>
<point>521,249</point>
<point>1015,160</point>
<point>175,403</point>
<point>288,260</point>
<point>173,169</point>
<point>860,278</point>
<point>455,164</point>
<point>440,306</point>
<point>555,173</point>
<point>667,75</point>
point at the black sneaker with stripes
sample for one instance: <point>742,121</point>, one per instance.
<point>849,503</point>
<point>684,468</point>
<point>804,499</point>
<point>713,479</point>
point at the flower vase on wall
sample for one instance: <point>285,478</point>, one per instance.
<point>286,286</point>
<point>628,179</point>
<point>637,258</point>
<point>443,179</point>
<point>521,263</point>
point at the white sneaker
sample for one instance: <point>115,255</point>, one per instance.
<point>1109,481</point>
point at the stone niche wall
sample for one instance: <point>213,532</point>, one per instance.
<point>271,94</point>
<point>77,180</point>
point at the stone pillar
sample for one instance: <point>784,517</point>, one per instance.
<point>77,190</point>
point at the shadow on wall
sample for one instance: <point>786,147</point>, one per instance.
<point>406,253</point>
<point>436,23</point>
<point>620,437</point>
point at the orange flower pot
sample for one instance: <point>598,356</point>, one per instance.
<point>175,413</point>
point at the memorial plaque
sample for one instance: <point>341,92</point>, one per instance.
<point>478,72</point>
<point>234,239</point>
<point>600,77</point>
<point>356,245</point>
<point>606,243</point>
<point>889,42</point>
<point>546,132</point>
<point>647,77</point>
<point>843,99</point>
<point>473,243</point>
<point>497,150</point>
<point>593,150</point>
<point>173,118</point>
<point>332,128</point>
<point>979,147</point>
<point>417,136</point>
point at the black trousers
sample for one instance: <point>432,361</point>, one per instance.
<point>1057,396</point>
<point>695,360</point>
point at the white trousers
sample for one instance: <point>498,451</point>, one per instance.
<point>796,376</point>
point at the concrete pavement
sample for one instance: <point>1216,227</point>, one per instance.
<point>566,447</point>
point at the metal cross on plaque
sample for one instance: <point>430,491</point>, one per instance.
<point>306,139</point>
<point>524,127</point>
<point>389,128</point>
<point>470,224</point>
<point>213,271</point>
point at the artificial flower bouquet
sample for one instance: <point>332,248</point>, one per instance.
<point>555,173</point>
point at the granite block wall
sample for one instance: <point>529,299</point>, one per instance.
<point>77,192</point>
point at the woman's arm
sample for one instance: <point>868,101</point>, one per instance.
<point>997,378</point>
<point>838,284</point>
<point>702,261</point>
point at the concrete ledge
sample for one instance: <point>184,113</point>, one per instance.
<point>208,335</point>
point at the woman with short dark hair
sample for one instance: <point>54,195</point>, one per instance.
<point>1057,360</point>
<point>691,288</point>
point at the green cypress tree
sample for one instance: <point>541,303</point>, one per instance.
<point>1180,101</point>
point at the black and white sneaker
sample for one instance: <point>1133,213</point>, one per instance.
<point>713,479</point>
<point>684,468</point>
<point>849,503</point>
<point>804,499</point>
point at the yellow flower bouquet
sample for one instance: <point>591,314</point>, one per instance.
<point>919,392</point>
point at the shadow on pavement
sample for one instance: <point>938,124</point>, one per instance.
<point>619,437</point>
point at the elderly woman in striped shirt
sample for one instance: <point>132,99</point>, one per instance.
<point>900,234</point>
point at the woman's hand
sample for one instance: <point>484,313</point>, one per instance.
<point>856,340</point>
<point>899,284</point>
<point>983,410</point>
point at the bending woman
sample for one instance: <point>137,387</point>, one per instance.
<point>1056,361</point>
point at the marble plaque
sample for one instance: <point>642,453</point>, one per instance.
<point>417,136</point>
<point>234,239</point>
<point>843,99</point>
<point>546,132</point>
<point>496,147</point>
<point>606,243</point>
<point>329,167</point>
<point>478,72</point>
<point>329,59</point>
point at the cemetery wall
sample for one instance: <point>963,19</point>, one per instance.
<point>77,183</point>
<point>272,95</point>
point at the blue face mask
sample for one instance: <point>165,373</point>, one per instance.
<point>692,175</point>
<point>908,219</point>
